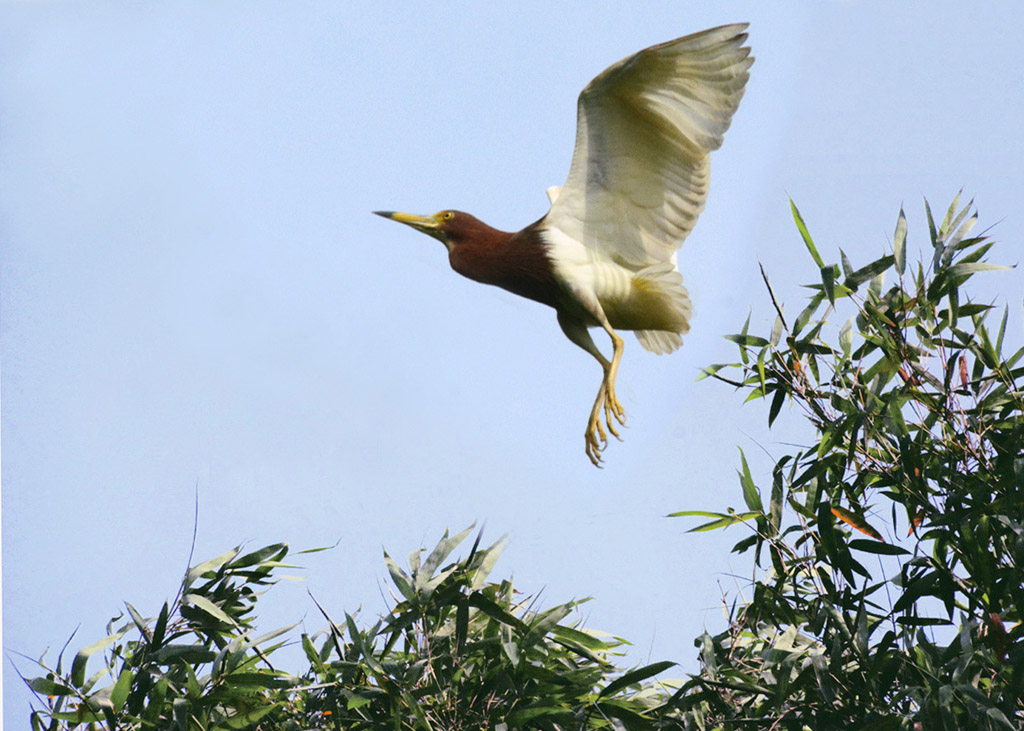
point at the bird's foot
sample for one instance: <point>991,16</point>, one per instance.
<point>596,439</point>
<point>612,408</point>
<point>595,436</point>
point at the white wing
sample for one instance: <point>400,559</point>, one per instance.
<point>645,126</point>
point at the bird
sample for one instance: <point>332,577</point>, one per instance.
<point>605,254</point>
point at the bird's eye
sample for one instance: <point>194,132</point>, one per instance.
<point>447,215</point>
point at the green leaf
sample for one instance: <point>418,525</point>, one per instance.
<point>899,240</point>
<point>441,551</point>
<point>635,676</point>
<point>944,228</point>
<point>1000,718</point>
<point>357,701</point>
<point>119,693</point>
<point>748,340</point>
<point>249,719</point>
<point>750,494</point>
<point>776,407</point>
<point>870,271</point>
<point>495,611</point>
<point>261,679</point>
<point>520,718</point>
<point>489,560</point>
<point>808,241</point>
<point>812,307</point>
<point>931,224</point>
<point>161,626</point>
<point>207,607</point>
<point>399,578</point>
<point>211,566</point>
<point>828,282</point>
<point>777,330</point>
<point>776,503</point>
<point>961,232</point>
<point>923,621</point>
<point>139,621</point>
<point>711,370</point>
<point>885,549</point>
<point>845,261</point>
<point>45,686</point>
<point>697,514</point>
<point>1002,330</point>
<point>82,658</point>
<point>575,636</point>
<point>846,337</point>
<point>511,650</point>
<point>189,654</point>
<point>970,267</point>
<point>276,552</point>
<point>726,521</point>
<point>743,333</point>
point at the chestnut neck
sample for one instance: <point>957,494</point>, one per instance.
<point>517,262</point>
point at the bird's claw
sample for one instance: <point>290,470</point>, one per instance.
<point>594,447</point>
<point>613,412</point>
<point>596,437</point>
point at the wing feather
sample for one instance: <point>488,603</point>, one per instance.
<point>639,174</point>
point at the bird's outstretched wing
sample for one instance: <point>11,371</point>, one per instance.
<point>645,126</point>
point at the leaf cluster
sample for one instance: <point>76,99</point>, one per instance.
<point>886,593</point>
<point>197,664</point>
<point>890,547</point>
<point>456,652</point>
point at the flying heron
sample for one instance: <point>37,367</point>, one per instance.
<point>604,255</point>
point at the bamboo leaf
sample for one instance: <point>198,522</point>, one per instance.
<point>82,658</point>
<point>846,337</point>
<point>726,521</point>
<point>845,261</point>
<point>885,549</point>
<point>828,282</point>
<point>931,224</point>
<point>634,676</point>
<point>748,340</point>
<point>206,606</point>
<point>399,578</point>
<point>489,560</point>
<point>776,407</point>
<point>119,693</point>
<point>211,566</point>
<point>970,267</point>
<point>899,241</point>
<point>711,370</point>
<point>441,551</point>
<point>808,241</point>
<point>870,271</point>
<point>856,521</point>
<point>750,494</point>
<point>697,514</point>
<point>945,227</point>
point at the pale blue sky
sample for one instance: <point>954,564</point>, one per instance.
<point>194,290</point>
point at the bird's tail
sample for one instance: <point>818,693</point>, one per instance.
<point>660,342</point>
<point>665,283</point>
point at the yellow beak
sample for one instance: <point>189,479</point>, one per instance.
<point>429,225</point>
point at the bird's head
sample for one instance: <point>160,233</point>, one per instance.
<point>449,227</point>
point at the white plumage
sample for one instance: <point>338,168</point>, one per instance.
<point>638,180</point>
<point>640,173</point>
<point>605,253</point>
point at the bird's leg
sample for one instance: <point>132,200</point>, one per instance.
<point>596,437</point>
<point>611,405</point>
